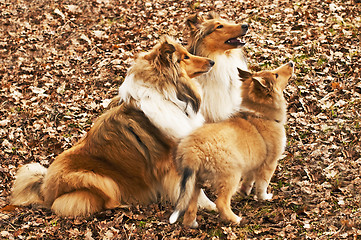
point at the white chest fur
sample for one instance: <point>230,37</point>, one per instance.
<point>222,87</point>
<point>172,116</point>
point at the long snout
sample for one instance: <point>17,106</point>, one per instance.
<point>287,68</point>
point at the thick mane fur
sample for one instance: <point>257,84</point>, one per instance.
<point>164,92</point>
<point>221,85</point>
<point>136,128</point>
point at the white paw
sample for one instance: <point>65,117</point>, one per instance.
<point>210,206</point>
<point>194,224</point>
<point>238,219</point>
<point>266,196</point>
<point>173,218</point>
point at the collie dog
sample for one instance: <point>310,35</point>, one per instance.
<point>218,39</point>
<point>244,148</point>
<point>126,157</point>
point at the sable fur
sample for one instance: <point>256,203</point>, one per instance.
<point>220,86</point>
<point>209,37</point>
<point>244,148</point>
<point>126,155</point>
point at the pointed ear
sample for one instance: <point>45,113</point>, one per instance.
<point>212,15</point>
<point>166,48</point>
<point>193,22</point>
<point>244,74</point>
<point>260,82</point>
<point>166,51</point>
<point>162,53</point>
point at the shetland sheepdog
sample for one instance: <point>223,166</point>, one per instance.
<point>243,148</point>
<point>218,39</point>
<point>126,157</point>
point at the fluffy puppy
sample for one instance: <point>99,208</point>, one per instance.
<point>243,148</point>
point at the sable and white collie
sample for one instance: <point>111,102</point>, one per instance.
<point>218,39</point>
<point>126,157</point>
<point>243,148</point>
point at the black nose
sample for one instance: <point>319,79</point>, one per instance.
<point>291,64</point>
<point>245,26</point>
<point>211,62</point>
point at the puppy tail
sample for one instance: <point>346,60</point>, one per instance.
<point>186,191</point>
<point>26,189</point>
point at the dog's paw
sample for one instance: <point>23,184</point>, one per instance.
<point>173,218</point>
<point>194,224</point>
<point>232,219</point>
<point>266,196</point>
<point>210,206</point>
<point>244,193</point>
<point>238,220</point>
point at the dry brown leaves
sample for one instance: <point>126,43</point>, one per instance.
<point>61,61</point>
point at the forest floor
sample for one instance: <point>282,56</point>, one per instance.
<point>61,61</point>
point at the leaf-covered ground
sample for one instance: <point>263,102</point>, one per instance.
<point>62,60</point>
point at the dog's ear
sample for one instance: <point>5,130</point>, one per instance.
<point>212,15</point>
<point>162,53</point>
<point>244,74</point>
<point>166,48</point>
<point>166,51</point>
<point>260,83</point>
<point>193,22</point>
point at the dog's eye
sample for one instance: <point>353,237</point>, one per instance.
<point>276,74</point>
<point>220,26</point>
<point>186,57</point>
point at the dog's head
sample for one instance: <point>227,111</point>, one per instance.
<point>267,86</point>
<point>213,34</point>
<point>170,69</point>
<point>168,54</point>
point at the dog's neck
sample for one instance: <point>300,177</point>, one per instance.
<point>221,86</point>
<point>272,112</point>
<point>173,114</point>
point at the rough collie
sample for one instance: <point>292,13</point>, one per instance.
<point>218,39</point>
<point>243,148</point>
<point>126,155</point>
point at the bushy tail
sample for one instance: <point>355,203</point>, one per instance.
<point>189,166</point>
<point>186,191</point>
<point>26,189</point>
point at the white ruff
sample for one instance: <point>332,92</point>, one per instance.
<point>163,109</point>
<point>222,86</point>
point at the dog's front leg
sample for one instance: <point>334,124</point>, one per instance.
<point>262,181</point>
